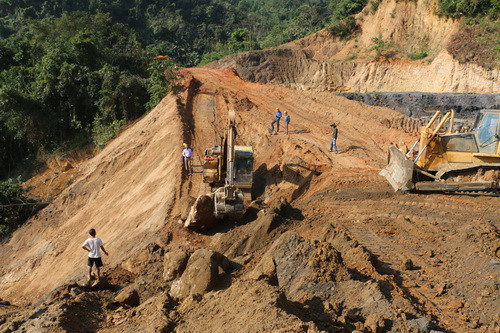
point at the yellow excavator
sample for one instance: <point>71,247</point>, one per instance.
<point>448,162</point>
<point>228,170</point>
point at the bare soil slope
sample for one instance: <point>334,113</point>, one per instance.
<point>346,253</point>
<point>129,191</point>
<point>125,192</point>
<point>323,62</point>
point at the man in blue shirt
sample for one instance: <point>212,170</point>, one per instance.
<point>277,117</point>
<point>286,120</point>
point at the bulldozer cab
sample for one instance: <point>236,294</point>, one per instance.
<point>487,131</point>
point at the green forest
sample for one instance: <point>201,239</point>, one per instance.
<point>74,72</point>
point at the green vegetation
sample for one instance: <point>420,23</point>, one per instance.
<point>469,8</point>
<point>478,41</point>
<point>374,5</point>
<point>343,23</point>
<point>344,28</point>
<point>382,48</point>
<point>14,206</point>
<point>417,55</point>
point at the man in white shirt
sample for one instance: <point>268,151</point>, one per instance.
<point>187,155</point>
<point>93,246</point>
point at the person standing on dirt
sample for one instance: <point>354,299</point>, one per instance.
<point>286,120</point>
<point>277,117</point>
<point>333,143</point>
<point>187,156</point>
<point>93,246</point>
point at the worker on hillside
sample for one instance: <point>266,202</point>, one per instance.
<point>286,120</point>
<point>333,143</point>
<point>277,117</point>
<point>187,156</point>
<point>92,246</point>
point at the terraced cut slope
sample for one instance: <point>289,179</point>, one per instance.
<point>327,246</point>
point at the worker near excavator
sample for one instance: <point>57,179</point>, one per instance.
<point>333,143</point>
<point>286,120</point>
<point>187,156</point>
<point>93,245</point>
<point>277,118</point>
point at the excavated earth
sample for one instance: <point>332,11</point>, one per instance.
<point>326,245</point>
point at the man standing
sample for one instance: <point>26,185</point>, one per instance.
<point>286,121</point>
<point>277,117</point>
<point>187,155</point>
<point>333,144</point>
<point>92,246</point>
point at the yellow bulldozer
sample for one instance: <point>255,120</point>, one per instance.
<point>444,161</point>
<point>228,170</point>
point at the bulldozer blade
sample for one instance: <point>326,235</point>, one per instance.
<point>399,170</point>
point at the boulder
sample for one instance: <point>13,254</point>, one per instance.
<point>137,263</point>
<point>375,323</point>
<point>420,325</point>
<point>304,269</point>
<point>199,276</point>
<point>201,215</point>
<point>174,264</point>
<point>128,296</point>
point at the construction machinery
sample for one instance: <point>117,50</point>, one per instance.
<point>228,170</point>
<point>447,161</point>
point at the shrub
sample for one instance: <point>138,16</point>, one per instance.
<point>103,130</point>
<point>374,5</point>
<point>417,55</point>
<point>477,43</point>
<point>344,28</point>
<point>468,8</point>
<point>15,207</point>
<point>383,48</point>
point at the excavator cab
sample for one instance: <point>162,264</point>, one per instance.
<point>443,153</point>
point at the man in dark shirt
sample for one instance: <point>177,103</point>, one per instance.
<point>333,143</point>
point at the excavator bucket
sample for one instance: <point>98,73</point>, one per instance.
<point>399,170</point>
<point>229,200</point>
